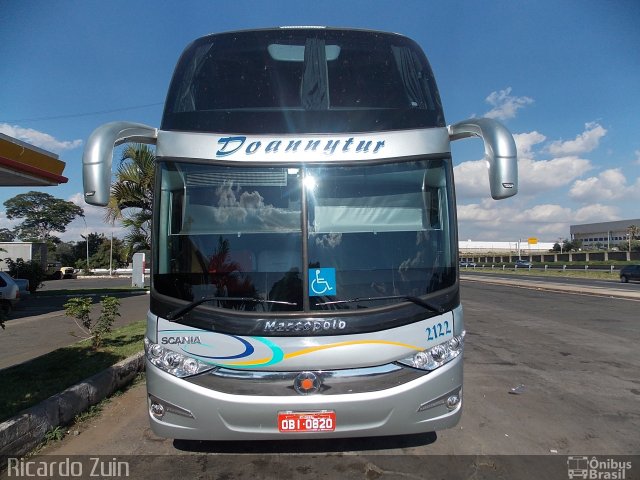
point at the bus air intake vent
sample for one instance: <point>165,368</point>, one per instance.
<point>272,178</point>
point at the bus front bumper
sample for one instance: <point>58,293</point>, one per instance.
<point>184,410</point>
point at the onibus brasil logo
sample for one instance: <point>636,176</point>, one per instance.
<point>595,468</point>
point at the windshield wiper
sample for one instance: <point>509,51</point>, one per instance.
<point>418,301</point>
<point>179,312</point>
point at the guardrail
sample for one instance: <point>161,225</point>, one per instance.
<point>600,268</point>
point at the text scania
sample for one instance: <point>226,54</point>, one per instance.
<point>180,340</point>
<point>231,145</point>
<point>305,326</point>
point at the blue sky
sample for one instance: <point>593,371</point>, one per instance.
<point>563,76</point>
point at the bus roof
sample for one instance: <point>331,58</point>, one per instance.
<point>302,80</point>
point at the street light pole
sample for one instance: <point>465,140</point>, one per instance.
<point>87,239</point>
<point>111,255</point>
<point>519,251</point>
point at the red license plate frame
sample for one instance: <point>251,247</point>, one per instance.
<point>307,422</point>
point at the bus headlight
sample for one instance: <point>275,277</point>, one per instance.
<point>172,362</point>
<point>437,355</point>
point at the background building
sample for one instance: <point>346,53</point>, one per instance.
<point>27,251</point>
<point>603,235</point>
<point>474,247</point>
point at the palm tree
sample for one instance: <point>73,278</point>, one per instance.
<point>131,198</point>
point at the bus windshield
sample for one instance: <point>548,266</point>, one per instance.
<point>303,80</point>
<point>249,232</point>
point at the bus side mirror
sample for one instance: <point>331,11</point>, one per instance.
<point>500,151</point>
<point>98,156</point>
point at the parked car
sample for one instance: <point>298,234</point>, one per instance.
<point>630,272</point>
<point>23,287</point>
<point>9,292</point>
<point>69,272</point>
<point>467,264</point>
<point>523,263</point>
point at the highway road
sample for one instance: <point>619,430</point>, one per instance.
<point>39,325</point>
<point>574,358</point>
<point>614,282</point>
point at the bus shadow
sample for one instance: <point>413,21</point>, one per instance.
<point>332,445</point>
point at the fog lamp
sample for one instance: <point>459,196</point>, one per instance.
<point>157,409</point>
<point>452,402</point>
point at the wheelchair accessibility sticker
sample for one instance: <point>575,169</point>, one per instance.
<point>322,281</point>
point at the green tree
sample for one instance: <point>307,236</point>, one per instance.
<point>41,215</point>
<point>105,254</point>
<point>80,309</point>
<point>568,246</point>
<point>131,198</point>
<point>7,235</point>
<point>66,253</point>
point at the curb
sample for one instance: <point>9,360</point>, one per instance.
<point>23,432</point>
<point>610,292</point>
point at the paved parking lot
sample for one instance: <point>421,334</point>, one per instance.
<point>574,358</point>
<point>39,325</point>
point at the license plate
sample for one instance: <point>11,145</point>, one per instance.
<point>324,421</point>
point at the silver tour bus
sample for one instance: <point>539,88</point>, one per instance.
<point>304,265</point>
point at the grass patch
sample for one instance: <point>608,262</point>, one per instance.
<point>541,272</point>
<point>29,383</point>
<point>88,291</point>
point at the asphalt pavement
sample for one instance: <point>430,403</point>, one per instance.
<point>39,325</point>
<point>547,374</point>
<point>585,286</point>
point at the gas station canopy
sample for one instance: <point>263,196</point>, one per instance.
<point>23,165</point>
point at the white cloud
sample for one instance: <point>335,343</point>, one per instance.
<point>471,179</point>
<point>489,220</point>
<point>5,222</point>
<point>607,186</point>
<point>505,105</point>
<point>596,213</point>
<point>95,222</point>
<point>553,176</point>
<point>585,142</point>
<point>536,176</point>
<point>543,214</point>
<point>526,141</point>
<point>484,213</point>
<point>39,139</point>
